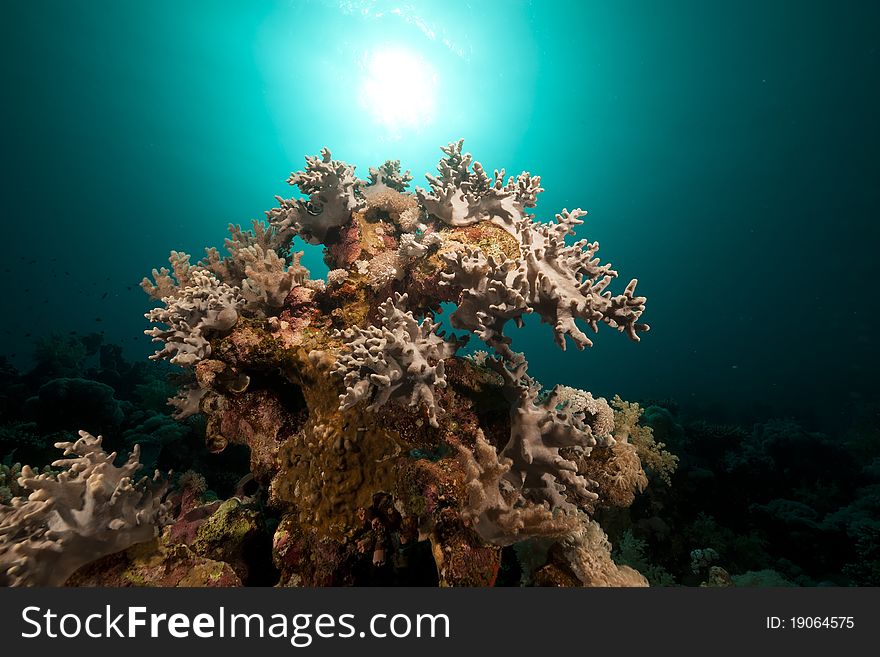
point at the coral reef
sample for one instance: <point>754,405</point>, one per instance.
<point>373,447</point>
<point>252,325</point>
<point>439,506</point>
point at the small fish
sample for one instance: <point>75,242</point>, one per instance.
<point>27,335</point>
<point>104,296</point>
<point>33,261</point>
<point>98,319</point>
<point>67,272</point>
<point>127,288</point>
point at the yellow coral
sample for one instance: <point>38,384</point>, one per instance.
<point>652,454</point>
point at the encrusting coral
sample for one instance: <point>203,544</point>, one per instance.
<point>472,455</point>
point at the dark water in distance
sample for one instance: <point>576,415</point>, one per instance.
<point>726,152</point>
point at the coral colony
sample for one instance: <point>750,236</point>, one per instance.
<point>368,432</point>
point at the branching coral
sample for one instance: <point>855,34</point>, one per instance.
<point>539,431</point>
<point>91,509</point>
<point>499,513</point>
<point>232,267</point>
<point>652,454</point>
<point>166,285</point>
<point>198,311</point>
<point>492,293</point>
<point>559,282</point>
<point>268,278</point>
<point>254,265</point>
<point>389,176</point>
<point>566,283</point>
<point>460,196</point>
<point>402,360</point>
<point>333,191</point>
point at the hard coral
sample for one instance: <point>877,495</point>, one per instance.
<point>651,453</point>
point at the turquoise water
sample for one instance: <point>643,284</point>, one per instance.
<point>726,153</point>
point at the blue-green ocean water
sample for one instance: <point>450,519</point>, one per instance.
<point>726,153</point>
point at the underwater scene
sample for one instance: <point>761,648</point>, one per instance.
<point>311,293</point>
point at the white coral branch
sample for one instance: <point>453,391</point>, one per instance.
<point>400,361</point>
<point>91,509</point>
<point>334,193</point>
<point>165,284</point>
<point>200,310</point>
<point>498,512</point>
<point>268,278</point>
<point>389,176</point>
<point>460,196</point>
<point>539,429</point>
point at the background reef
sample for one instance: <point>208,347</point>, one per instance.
<point>805,511</point>
<point>724,154</point>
